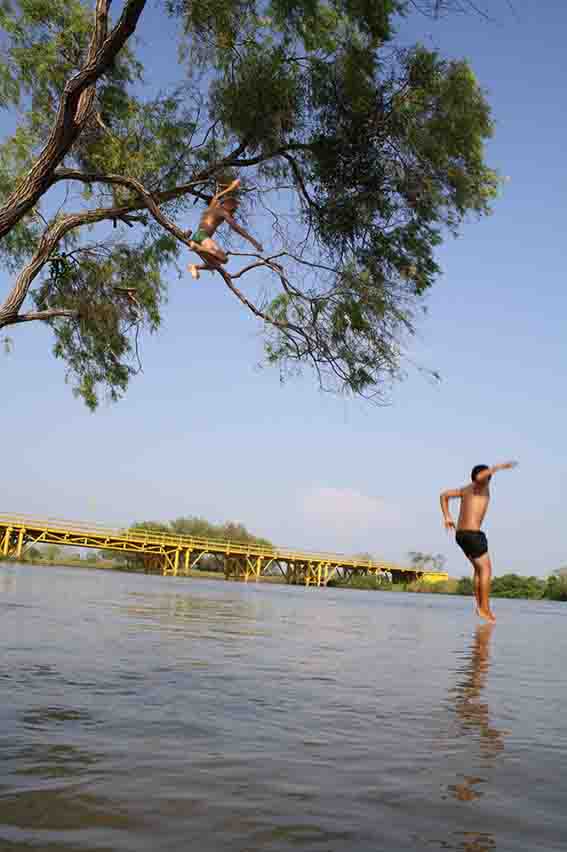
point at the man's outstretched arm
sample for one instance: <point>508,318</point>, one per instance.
<point>450,494</point>
<point>485,474</point>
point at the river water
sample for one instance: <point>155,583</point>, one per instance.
<point>141,713</point>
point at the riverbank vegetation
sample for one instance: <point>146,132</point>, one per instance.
<point>194,527</point>
<point>553,587</point>
<point>371,583</point>
<point>508,586</point>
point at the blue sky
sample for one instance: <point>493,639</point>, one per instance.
<point>205,431</point>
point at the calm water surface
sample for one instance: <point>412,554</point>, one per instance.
<point>140,713</point>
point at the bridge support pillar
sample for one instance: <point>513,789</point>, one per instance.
<point>6,542</point>
<point>187,563</point>
<point>20,545</point>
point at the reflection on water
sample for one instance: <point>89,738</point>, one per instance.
<point>54,761</point>
<point>476,842</point>
<point>473,715</point>
<point>472,710</point>
<point>140,714</point>
<point>194,616</point>
<point>7,581</point>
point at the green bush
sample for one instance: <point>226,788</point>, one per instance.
<point>515,586</point>
<point>465,586</point>
<point>444,587</point>
<point>556,588</point>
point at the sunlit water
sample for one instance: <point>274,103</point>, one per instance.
<point>140,713</point>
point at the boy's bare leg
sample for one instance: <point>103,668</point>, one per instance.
<point>476,586</point>
<point>476,583</point>
<point>211,253</point>
<point>195,268</point>
<point>483,572</point>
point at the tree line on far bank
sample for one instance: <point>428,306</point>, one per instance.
<point>195,527</point>
<point>508,586</point>
<point>553,587</point>
<point>516,586</point>
<point>192,527</point>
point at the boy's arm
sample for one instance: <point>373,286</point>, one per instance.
<point>236,227</point>
<point>485,474</point>
<point>450,494</point>
<point>232,186</point>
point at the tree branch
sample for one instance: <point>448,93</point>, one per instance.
<point>147,200</point>
<point>150,203</point>
<point>279,152</point>
<point>73,110</point>
<point>300,182</point>
<point>160,197</point>
<point>9,312</point>
<point>44,315</point>
<point>304,341</point>
<point>99,35</point>
<point>11,307</point>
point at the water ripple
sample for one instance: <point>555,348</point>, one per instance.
<point>142,714</point>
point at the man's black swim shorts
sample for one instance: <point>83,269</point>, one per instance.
<point>473,543</point>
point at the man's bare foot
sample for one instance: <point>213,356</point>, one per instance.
<point>194,272</point>
<point>487,615</point>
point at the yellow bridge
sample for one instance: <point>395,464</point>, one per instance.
<point>176,555</point>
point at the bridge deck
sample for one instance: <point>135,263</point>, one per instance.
<point>178,554</point>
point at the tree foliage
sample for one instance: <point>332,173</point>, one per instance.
<point>193,527</point>
<point>228,531</point>
<point>556,587</point>
<point>519,586</point>
<point>362,154</point>
<point>427,561</point>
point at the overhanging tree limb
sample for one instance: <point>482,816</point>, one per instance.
<point>362,154</point>
<point>306,341</point>
<point>73,110</point>
<point>10,308</point>
<point>33,316</point>
<point>9,313</point>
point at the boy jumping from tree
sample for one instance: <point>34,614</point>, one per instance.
<point>202,241</point>
<point>469,536</point>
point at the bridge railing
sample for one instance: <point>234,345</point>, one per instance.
<point>158,537</point>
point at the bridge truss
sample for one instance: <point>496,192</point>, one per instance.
<point>173,555</point>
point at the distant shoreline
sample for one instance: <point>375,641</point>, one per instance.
<point>512,586</point>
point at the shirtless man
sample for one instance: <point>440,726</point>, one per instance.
<point>472,541</point>
<point>202,242</point>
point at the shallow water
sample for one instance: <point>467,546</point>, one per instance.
<point>142,713</point>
